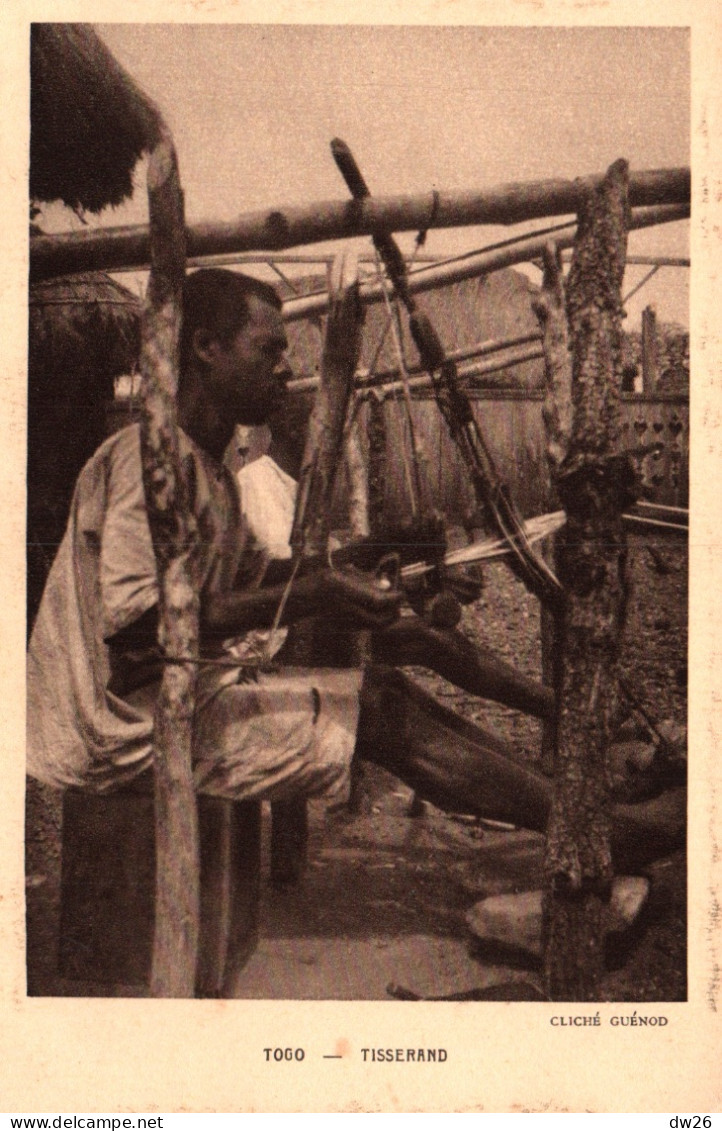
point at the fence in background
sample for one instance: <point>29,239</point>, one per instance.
<point>512,427</point>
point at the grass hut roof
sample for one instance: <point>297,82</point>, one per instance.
<point>492,306</point>
<point>85,323</point>
<point>89,121</point>
<point>83,332</point>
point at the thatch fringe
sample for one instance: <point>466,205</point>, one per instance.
<point>89,121</point>
<point>85,323</point>
<point>83,332</point>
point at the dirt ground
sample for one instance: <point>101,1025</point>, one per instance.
<point>383,898</point>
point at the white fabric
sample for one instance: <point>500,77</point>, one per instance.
<point>268,503</point>
<point>289,732</point>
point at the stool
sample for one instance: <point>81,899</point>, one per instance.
<point>289,841</point>
<point>107,908</point>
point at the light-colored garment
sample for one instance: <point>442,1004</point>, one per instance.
<point>291,732</point>
<point>268,503</point>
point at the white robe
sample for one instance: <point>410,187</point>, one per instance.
<point>268,504</point>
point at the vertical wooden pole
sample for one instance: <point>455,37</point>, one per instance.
<point>324,442</point>
<point>549,629</point>
<point>594,483</point>
<point>360,521</point>
<point>323,451</point>
<point>378,459</point>
<point>173,532</point>
<point>649,350</point>
<point>358,482</point>
<point>551,313</point>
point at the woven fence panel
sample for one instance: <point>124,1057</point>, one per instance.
<point>662,419</point>
<point>512,427</point>
<point>511,424</point>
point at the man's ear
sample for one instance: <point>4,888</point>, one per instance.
<point>205,346</point>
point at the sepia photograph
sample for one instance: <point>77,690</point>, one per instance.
<point>357,525</point>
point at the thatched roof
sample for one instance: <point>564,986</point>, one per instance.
<point>89,121</point>
<point>83,332</point>
<point>80,324</point>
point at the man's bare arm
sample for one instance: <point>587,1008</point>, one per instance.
<point>343,596</point>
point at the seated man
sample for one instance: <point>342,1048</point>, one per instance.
<point>94,664</point>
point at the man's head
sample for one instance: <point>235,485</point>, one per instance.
<point>233,341</point>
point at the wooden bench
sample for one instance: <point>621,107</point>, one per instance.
<point>108,887</point>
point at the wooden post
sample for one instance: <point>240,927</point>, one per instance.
<point>375,476</point>
<point>377,456</point>
<point>649,350</point>
<point>549,631</point>
<point>173,531</point>
<point>358,483</point>
<point>360,644</point>
<point>557,415</point>
<point>340,358</point>
<point>311,527</point>
<point>593,481</point>
<point>324,442</point>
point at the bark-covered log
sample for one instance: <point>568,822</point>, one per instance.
<point>358,481</point>
<point>550,309</point>
<point>594,481</point>
<point>311,643</point>
<point>359,652</point>
<point>173,532</point>
<point>377,433</point>
<point>293,226</point>
<point>324,442</point>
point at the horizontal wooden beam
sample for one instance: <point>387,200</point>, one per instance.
<point>465,353</point>
<point>523,250</point>
<point>297,225</point>
<point>650,260</point>
<point>466,373</point>
<point>420,380</point>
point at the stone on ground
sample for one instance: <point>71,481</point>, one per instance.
<point>515,920</point>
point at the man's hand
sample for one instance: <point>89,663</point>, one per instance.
<point>348,596</point>
<point>356,599</point>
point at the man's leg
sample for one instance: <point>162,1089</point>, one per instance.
<point>462,768</point>
<point>447,760</point>
<point>410,641</point>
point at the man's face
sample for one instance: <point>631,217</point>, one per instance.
<point>248,376</point>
